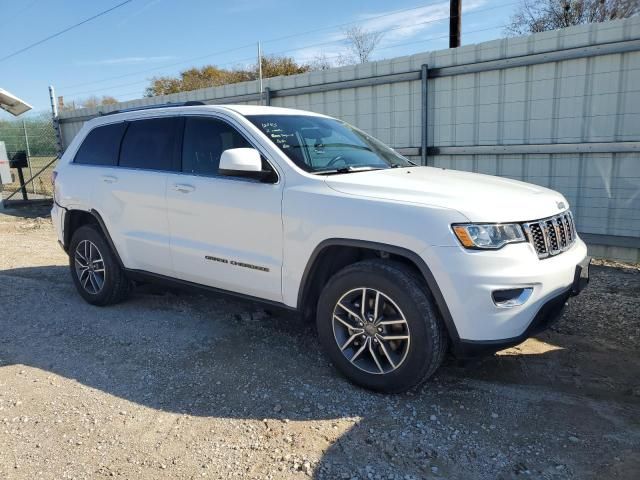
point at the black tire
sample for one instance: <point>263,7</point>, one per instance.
<point>427,338</point>
<point>115,286</point>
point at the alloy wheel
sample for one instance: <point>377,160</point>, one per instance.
<point>371,331</point>
<point>90,267</point>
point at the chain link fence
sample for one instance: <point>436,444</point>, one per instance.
<point>36,137</point>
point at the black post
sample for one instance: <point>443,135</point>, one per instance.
<point>23,187</point>
<point>455,19</point>
<point>424,78</point>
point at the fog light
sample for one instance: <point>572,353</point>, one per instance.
<point>512,297</point>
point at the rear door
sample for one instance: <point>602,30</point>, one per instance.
<point>226,232</point>
<point>131,198</point>
<point>97,156</point>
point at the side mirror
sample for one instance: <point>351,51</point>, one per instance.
<point>244,162</point>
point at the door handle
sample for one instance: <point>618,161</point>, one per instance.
<point>109,179</point>
<point>184,188</point>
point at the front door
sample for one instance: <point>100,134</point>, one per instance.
<point>226,232</point>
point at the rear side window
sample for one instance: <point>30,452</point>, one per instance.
<point>204,141</point>
<point>149,144</point>
<point>101,145</point>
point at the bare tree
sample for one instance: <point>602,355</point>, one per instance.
<point>320,62</point>
<point>361,43</point>
<point>534,16</point>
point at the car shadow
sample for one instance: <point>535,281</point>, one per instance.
<point>213,356</point>
<point>27,209</point>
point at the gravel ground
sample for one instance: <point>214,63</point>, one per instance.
<point>177,385</point>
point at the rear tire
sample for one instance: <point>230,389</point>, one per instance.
<point>94,269</point>
<point>391,347</point>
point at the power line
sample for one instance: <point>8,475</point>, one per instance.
<point>400,27</point>
<point>338,56</point>
<point>271,40</point>
<point>331,27</point>
<point>162,67</point>
<point>57,34</point>
<point>146,80</point>
<point>395,45</point>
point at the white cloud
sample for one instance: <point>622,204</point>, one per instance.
<point>397,27</point>
<point>409,23</point>
<point>125,61</point>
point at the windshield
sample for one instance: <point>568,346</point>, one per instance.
<point>326,145</point>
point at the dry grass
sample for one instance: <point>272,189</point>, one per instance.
<point>41,184</point>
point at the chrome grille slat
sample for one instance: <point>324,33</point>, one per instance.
<point>554,247</point>
<point>567,226</point>
<point>551,236</point>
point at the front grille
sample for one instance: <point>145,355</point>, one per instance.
<point>551,236</point>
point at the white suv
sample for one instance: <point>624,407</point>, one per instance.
<point>397,262</point>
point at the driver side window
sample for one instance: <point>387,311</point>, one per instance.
<point>204,141</point>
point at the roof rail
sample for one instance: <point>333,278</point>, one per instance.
<point>190,103</point>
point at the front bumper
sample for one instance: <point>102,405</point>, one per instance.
<point>550,312</point>
<point>467,280</point>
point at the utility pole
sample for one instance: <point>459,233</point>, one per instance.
<point>260,69</point>
<point>54,117</point>
<point>455,19</point>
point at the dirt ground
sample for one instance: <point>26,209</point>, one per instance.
<point>180,385</point>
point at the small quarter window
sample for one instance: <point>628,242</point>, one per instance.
<point>149,144</point>
<point>101,145</point>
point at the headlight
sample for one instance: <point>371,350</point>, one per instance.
<point>488,236</point>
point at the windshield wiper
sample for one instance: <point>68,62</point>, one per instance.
<point>411,164</point>
<point>348,169</point>
<point>347,145</point>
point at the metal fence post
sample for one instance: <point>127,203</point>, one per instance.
<point>26,142</point>
<point>425,114</point>
<point>54,118</point>
<point>267,96</point>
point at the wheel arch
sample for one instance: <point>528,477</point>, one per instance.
<point>317,271</point>
<point>74,219</point>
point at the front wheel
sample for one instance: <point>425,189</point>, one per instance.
<point>379,326</point>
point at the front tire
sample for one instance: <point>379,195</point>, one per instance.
<point>377,322</point>
<point>94,269</point>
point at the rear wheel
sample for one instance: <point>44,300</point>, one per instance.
<point>94,269</point>
<point>378,324</point>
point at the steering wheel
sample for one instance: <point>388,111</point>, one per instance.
<point>336,159</point>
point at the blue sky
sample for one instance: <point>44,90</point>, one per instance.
<point>119,52</point>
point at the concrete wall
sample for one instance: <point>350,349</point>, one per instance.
<point>565,106</point>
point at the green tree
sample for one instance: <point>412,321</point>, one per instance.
<point>276,66</point>
<point>212,76</point>
<point>40,132</point>
<point>90,102</point>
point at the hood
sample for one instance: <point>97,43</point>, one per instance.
<point>480,198</point>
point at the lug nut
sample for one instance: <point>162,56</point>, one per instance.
<point>380,329</point>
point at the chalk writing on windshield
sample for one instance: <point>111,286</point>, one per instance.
<point>277,134</point>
